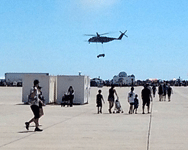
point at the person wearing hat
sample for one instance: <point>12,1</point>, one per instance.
<point>34,102</point>
<point>146,97</point>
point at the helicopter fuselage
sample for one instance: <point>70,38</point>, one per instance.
<point>101,39</point>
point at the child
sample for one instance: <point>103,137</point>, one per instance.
<point>99,99</point>
<point>136,104</point>
<point>118,108</point>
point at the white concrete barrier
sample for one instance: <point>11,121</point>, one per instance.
<point>28,83</point>
<point>54,87</point>
<point>80,84</point>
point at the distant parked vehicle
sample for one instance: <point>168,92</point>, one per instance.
<point>2,83</point>
<point>97,82</point>
<point>19,84</point>
<point>14,83</point>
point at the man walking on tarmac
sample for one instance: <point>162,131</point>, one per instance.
<point>146,97</point>
<point>34,101</point>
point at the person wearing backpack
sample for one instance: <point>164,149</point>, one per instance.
<point>34,102</point>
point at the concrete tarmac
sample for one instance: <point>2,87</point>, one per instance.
<point>80,127</point>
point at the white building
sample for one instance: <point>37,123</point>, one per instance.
<point>44,82</point>
<point>80,84</point>
<point>18,77</point>
<point>54,87</point>
<point>123,79</point>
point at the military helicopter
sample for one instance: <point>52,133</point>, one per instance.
<point>104,39</point>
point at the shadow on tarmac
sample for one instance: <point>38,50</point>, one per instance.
<point>26,131</point>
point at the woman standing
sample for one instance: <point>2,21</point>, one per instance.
<point>131,97</point>
<point>71,95</point>
<point>111,98</point>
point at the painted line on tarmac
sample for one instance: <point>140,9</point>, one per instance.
<point>149,130</point>
<point>15,140</point>
<point>66,120</point>
<point>33,132</point>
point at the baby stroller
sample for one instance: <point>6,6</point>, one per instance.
<point>117,108</point>
<point>65,100</point>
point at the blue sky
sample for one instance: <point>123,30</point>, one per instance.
<point>48,36</point>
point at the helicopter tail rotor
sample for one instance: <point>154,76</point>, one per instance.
<point>122,34</point>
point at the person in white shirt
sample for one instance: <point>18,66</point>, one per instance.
<point>131,97</point>
<point>34,102</point>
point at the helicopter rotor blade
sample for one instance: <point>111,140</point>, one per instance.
<point>122,32</point>
<point>125,34</point>
<point>97,34</point>
<point>104,33</point>
<point>89,35</point>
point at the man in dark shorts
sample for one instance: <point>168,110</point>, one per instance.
<point>146,97</point>
<point>34,102</point>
